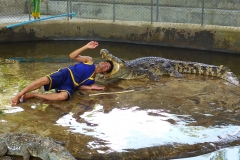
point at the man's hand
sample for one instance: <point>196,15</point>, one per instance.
<point>91,87</point>
<point>95,87</point>
<point>75,55</point>
<point>92,44</point>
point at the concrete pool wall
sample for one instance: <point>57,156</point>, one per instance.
<point>212,38</point>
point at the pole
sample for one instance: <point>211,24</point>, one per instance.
<point>114,11</point>
<point>202,12</point>
<point>68,6</point>
<point>71,9</point>
<point>151,11</point>
<point>29,8</point>
<point>157,5</point>
<point>24,23</point>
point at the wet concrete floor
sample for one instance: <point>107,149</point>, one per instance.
<point>191,111</point>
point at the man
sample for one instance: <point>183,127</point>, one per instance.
<point>66,80</point>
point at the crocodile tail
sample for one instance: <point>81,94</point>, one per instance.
<point>221,72</point>
<point>230,77</point>
<point>205,69</point>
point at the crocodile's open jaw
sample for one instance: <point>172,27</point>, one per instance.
<point>116,62</point>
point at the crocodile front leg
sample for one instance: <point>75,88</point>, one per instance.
<point>149,74</point>
<point>168,69</point>
<point>3,149</point>
<point>25,153</point>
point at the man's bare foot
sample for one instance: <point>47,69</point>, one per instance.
<point>22,98</point>
<point>15,100</point>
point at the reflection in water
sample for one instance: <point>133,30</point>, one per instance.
<point>133,128</point>
<point>13,109</point>
<point>146,122</point>
<point>231,153</point>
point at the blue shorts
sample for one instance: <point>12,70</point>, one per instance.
<point>60,81</point>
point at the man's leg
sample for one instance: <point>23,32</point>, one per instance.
<point>31,87</point>
<point>49,96</point>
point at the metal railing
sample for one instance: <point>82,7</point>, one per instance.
<point>204,12</point>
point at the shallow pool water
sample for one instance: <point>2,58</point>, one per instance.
<point>170,119</point>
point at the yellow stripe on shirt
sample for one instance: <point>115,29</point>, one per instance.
<point>73,79</point>
<point>50,79</point>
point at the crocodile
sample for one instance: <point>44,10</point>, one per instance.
<point>153,67</point>
<point>27,144</point>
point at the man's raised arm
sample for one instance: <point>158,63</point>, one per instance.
<point>75,55</point>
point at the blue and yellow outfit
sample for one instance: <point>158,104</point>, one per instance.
<point>70,78</point>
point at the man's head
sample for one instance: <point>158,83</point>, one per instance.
<point>111,66</point>
<point>105,67</point>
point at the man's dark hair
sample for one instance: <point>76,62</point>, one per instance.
<point>111,68</point>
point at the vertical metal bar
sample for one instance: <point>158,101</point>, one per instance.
<point>71,8</point>
<point>68,8</point>
<point>114,10</point>
<point>157,7</point>
<point>47,8</point>
<point>151,11</point>
<point>202,12</point>
<point>29,10</point>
